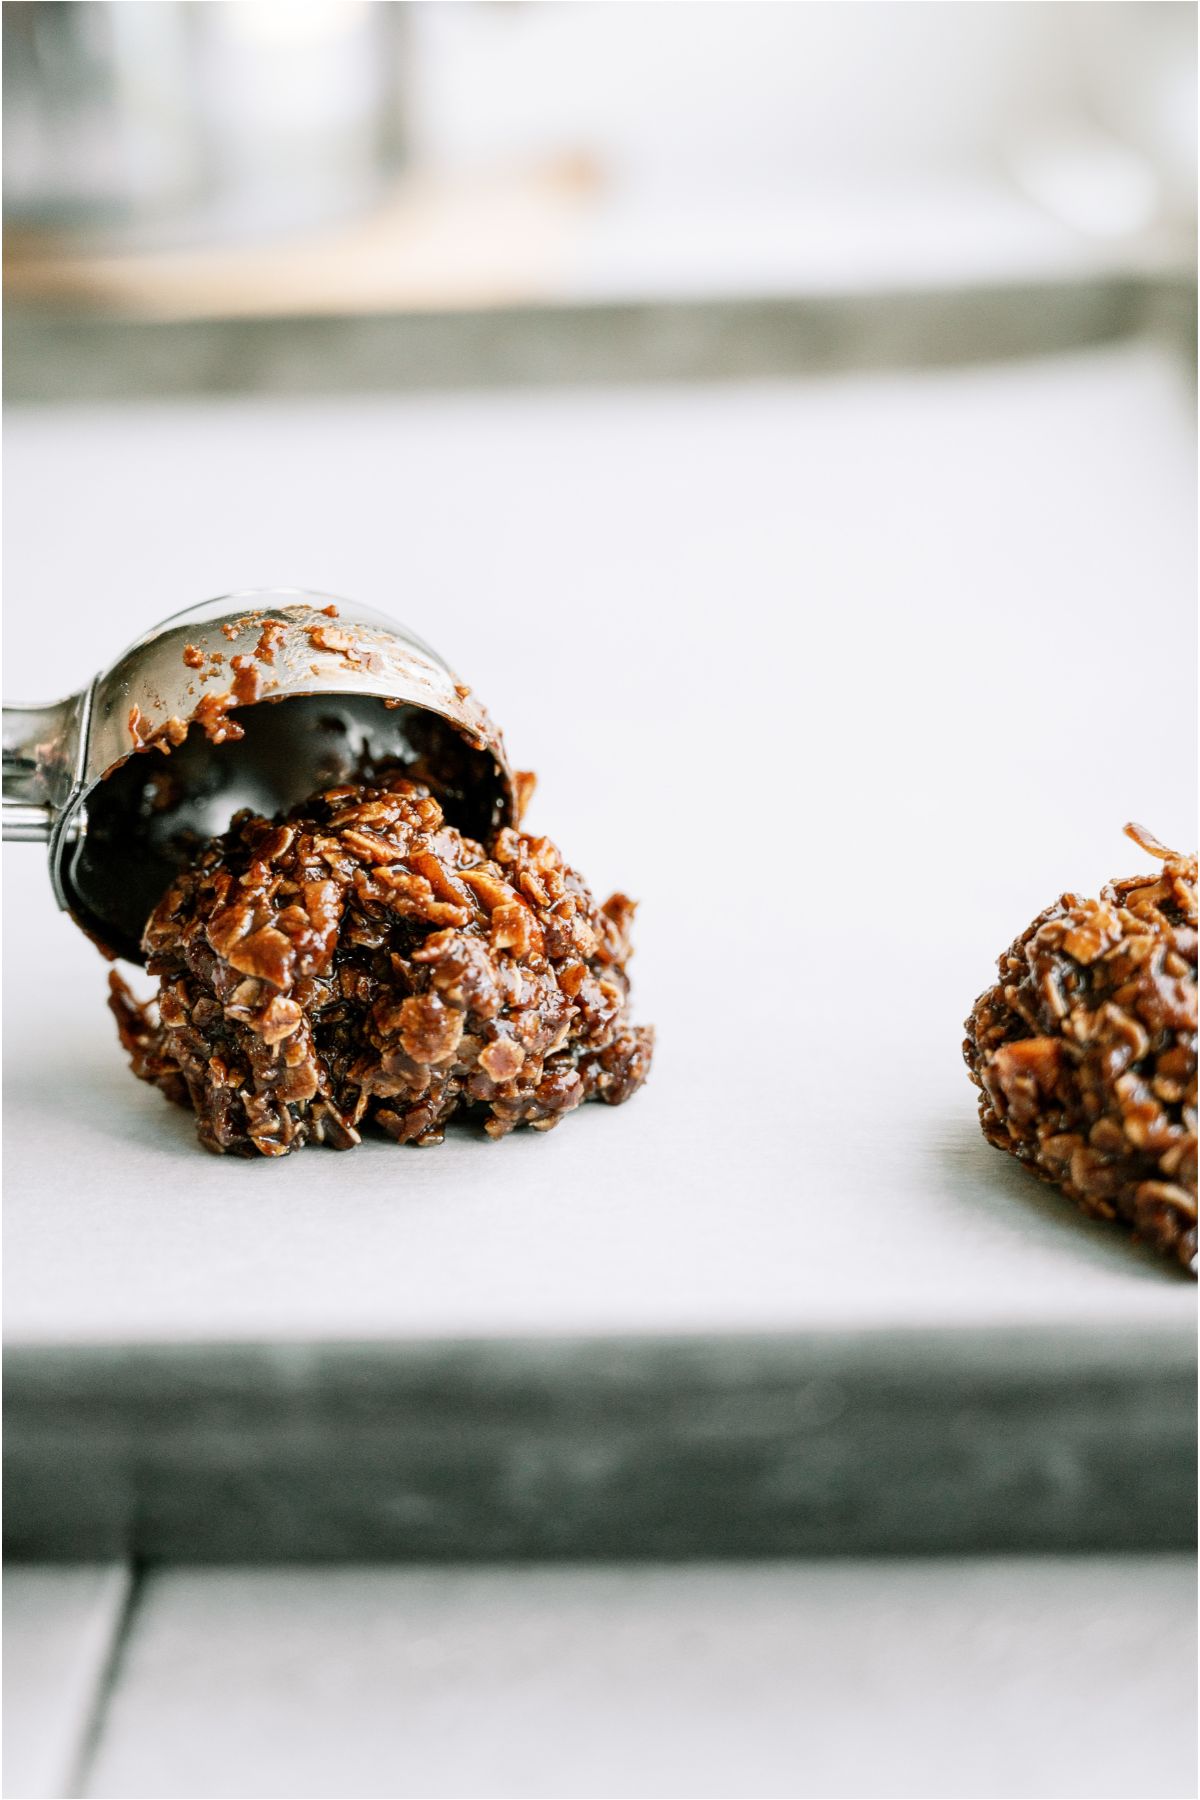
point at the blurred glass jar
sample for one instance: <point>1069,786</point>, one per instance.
<point>168,121</point>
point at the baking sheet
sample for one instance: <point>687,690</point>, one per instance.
<point>832,676</point>
<point>828,675</point>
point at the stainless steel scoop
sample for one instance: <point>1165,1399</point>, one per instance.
<point>122,779</point>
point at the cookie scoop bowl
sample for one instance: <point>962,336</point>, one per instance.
<point>372,945</point>
<point>256,700</point>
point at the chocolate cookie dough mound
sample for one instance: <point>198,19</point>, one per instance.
<point>1085,1051</point>
<point>363,962</point>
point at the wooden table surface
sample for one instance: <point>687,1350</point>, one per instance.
<point>944,1680</point>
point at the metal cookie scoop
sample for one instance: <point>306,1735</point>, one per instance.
<point>258,699</point>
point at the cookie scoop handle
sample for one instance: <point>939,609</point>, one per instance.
<point>41,755</point>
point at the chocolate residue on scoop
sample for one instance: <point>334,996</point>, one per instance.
<point>362,963</point>
<point>1085,1051</point>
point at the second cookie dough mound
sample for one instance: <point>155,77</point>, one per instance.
<point>1085,1051</point>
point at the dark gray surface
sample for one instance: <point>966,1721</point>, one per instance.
<point>901,1442</point>
<point>51,354</point>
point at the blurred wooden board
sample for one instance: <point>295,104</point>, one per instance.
<point>560,229</point>
<point>551,274</point>
<point>479,242</point>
